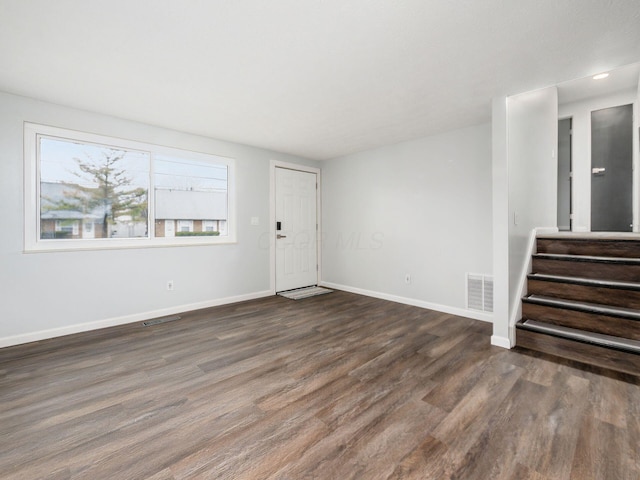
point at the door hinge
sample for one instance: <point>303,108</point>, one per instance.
<point>571,216</point>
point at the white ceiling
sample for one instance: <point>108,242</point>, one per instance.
<point>316,78</point>
<point>619,79</point>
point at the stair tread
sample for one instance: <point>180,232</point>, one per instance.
<point>585,281</point>
<point>587,258</point>
<point>629,313</point>
<point>591,236</point>
<point>609,341</point>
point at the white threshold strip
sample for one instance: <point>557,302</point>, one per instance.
<point>306,292</point>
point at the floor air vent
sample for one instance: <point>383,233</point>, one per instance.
<point>156,321</point>
<point>480,292</point>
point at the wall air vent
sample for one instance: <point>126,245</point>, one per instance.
<point>157,321</point>
<point>480,292</point>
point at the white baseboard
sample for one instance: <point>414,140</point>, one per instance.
<point>138,317</point>
<point>461,312</point>
<point>500,341</point>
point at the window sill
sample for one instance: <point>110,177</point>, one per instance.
<point>88,245</point>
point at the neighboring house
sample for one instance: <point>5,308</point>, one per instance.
<point>177,212</point>
<point>58,222</point>
<point>183,212</point>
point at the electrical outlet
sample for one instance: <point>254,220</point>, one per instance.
<point>407,278</point>
<point>169,284</point>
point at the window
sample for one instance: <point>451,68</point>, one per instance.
<point>193,193</point>
<point>185,226</point>
<point>89,191</point>
<point>66,228</point>
<point>95,184</point>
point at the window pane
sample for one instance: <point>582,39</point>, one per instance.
<point>92,191</point>
<point>194,193</point>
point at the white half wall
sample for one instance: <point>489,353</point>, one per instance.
<point>420,208</point>
<point>54,293</point>
<point>500,205</point>
<point>532,140</point>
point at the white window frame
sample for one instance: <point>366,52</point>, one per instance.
<point>32,240</point>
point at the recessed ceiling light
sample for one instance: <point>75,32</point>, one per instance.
<point>600,76</point>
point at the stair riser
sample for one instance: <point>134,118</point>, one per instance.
<point>590,322</point>
<point>610,248</point>
<point>605,296</point>
<point>594,270</point>
<point>578,351</point>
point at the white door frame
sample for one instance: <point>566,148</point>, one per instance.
<point>272,216</point>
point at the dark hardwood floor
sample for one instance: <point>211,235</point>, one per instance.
<point>338,386</point>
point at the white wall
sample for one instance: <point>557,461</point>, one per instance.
<point>421,207</point>
<point>50,294</point>
<point>500,207</point>
<point>580,112</point>
<point>532,132</point>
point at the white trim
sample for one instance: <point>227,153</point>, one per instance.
<point>527,265</point>
<point>635,163</point>
<point>516,309</point>
<point>138,317</point>
<point>546,230</point>
<point>500,341</point>
<point>272,216</point>
<point>461,312</point>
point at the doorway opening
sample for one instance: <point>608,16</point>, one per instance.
<point>564,175</point>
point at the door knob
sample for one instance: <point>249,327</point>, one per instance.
<point>597,170</point>
<point>280,236</point>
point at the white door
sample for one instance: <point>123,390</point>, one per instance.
<point>296,230</point>
<point>169,228</point>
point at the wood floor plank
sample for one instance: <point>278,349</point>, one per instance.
<point>462,379</point>
<point>495,452</point>
<point>376,453</point>
<point>556,429</point>
<point>462,427</point>
<point>428,460</point>
<point>632,447</point>
<point>597,452</point>
<point>536,368</point>
<point>337,386</point>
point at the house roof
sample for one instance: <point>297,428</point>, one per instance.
<point>190,205</point>
<point>69,215</point>
<point>51,194</point>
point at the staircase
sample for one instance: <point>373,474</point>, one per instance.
<point>583,301</point>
